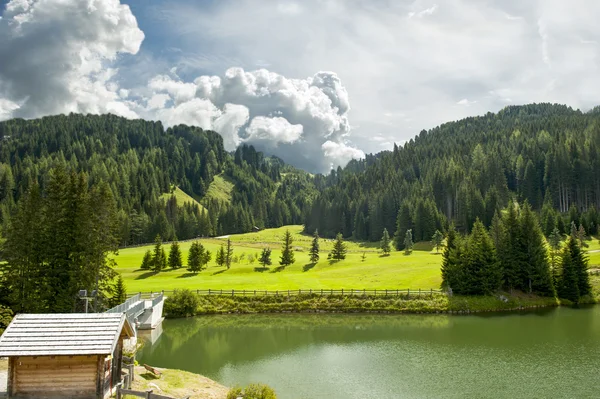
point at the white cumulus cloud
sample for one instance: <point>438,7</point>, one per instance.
<point>54,55</point>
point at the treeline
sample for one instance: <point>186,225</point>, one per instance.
<point>467,170</point>
<point>139,162</point>
<point>513,255</point>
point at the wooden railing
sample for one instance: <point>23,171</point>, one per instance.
<point>408,293</point>
<point>147,394</point>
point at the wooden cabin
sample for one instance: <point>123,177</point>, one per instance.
<point>64,355</point>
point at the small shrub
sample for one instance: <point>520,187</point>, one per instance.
<point>183,303</point>
<point>252,391</point>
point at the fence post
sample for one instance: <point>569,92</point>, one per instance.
<point>342,291</point>
<point>321,291</point>
<point>419,293</point>
<point>432,292</point>
<point>232,292</point>
<point>148,393</point>
<point>118,392</point>
<point>209,291</point>
<point>408,294</point>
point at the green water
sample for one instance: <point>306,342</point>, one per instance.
<point>549,354</point>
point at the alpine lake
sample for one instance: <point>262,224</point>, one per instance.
<point>549,353</point>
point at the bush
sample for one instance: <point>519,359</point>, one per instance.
<point>253,391</point>
<point>183,303</point>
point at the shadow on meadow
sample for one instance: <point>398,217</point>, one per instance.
<point>261,269</point>
<point>308,266</point>
<point>188,274</point>
<point>146,275</point>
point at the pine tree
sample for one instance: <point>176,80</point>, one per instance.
<point>403,223</point>
<point>437,240</point>
<point>314,248</point>
<point>119,294</point>
<point>535,273</point>
<point>449,265</point>
<point>265,257</point>
<point>147,261</point>
<point>159,259</point>
<point>175,261</point>
<point>510,249</point>
<point>554,241</point>
<point>339,248</point>
<point>408,242</point>
<point>481,269</point>
<point>194,262</point>
<point>568,287</point>
<point>287,252</point>
<point>385,243</point>
<point>220,258</point>
<point>581,236</point>
<point>228,254</point>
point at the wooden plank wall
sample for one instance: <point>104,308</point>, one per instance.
<point>60,376</point>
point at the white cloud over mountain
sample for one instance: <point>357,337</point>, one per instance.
<point>407,65</point>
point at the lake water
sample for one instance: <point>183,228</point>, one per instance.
<point>549,354</point>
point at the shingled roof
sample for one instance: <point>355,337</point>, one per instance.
<point>63,334</point>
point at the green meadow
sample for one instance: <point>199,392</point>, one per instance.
<point>419,270</point>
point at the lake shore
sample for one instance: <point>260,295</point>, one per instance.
<point>179,384</point>
<point>314,303</point>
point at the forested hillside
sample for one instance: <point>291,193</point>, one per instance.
<point>140,162</point>
<point>545,154</point>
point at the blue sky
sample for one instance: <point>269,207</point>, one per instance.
<point>316,82</point>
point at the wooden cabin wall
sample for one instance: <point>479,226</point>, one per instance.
<point>54,376</point>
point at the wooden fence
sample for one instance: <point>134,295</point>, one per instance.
<point>408,293</point>
<point>148,394</point>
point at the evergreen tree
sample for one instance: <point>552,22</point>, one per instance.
<point>287,252</point>
<point>194,261</point>
<point>554,241</point>
<point>568,287</point>
<point>221,257</point>
<point>314,248</point>
<point>339,248</point>
<point>536,274</point>
<point>510,249</point>
<point>228,254</point>
<point>449,264</point>
<point>385,243</point>
<point>481,269</point>
<point>147,261</point>
<point>265,257</point>
<point>363,257</point>
<point>403,223</point>
<point>581,236</point>
<point>408,242</point>
<point>119,293</point>
<point>437,240</point>
<point>159,258</point>
<point>175,261</point>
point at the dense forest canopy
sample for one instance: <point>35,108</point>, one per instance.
<point>452,174</point>
<point>460,171</point>
<point>141,161</point>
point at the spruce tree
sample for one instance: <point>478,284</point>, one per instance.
<point>535,274</point>
<point>147,261</point>
<point>385,243</point>
<point>510,249</point>
<point>314,248</point>
<point>408,242</point>
<point>554,240</point>
<point>568,287</point>
<point>220,258</point>
<point>175,261</point>
<point>403,223</point>
<point>228,254</point>
<point>194,262</point>
<point>448,264</point>
<point>437,240</point>
<point>159,259</point>
<point>287,252</point>
<point>581,236</point>
<point>482,271</point>
<point>119,293</point>
<point>339,248</point>
<point>265,257</point>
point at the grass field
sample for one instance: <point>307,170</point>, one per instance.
<point>421,269</point>
<point>182,198</point>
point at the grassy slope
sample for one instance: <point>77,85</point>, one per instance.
<point>419,270</point>
<point>220,189</point>
<point>179,384</point>
<point>182,197</point>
